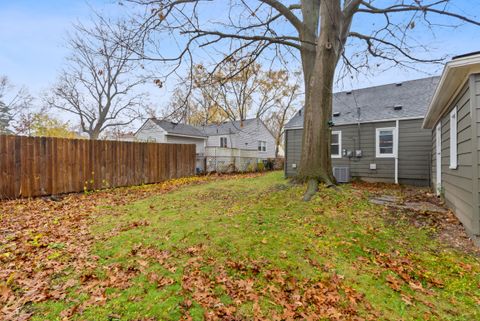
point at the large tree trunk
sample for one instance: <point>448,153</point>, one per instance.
<point>315,164</point>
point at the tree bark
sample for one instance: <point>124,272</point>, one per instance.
<point>315,163</point>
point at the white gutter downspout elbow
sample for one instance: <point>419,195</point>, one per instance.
<point>397,131</point>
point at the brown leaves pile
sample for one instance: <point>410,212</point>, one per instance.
<point>255,282</point>
<point>43,240</point>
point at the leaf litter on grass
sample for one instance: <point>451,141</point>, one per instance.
<point>44,241</point>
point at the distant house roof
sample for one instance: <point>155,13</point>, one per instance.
<point>226,128</point>
<point>178,129</point>
<point>409,99</point>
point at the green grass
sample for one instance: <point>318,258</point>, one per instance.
<point>244,230</point>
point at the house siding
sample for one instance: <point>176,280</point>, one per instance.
<point>457,185</point>
<point>475,105</point>
<point>199,142</point>
<point>414,152</point>
<point>151,132</point>
<point>247,138</point>
<point>214,141</point>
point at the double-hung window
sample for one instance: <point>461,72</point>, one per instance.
<point>262,146</point>
<point>223,142</point>
<point>336,145</point>
<point>453,139</point>
<point>385,142</point>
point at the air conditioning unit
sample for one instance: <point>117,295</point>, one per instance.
<point>342,174</point>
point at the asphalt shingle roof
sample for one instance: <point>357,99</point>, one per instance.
<point>225,128</point>
<point>177,128</point>
<point>377,103</point>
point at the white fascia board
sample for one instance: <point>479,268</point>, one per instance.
<point>454,77</point>
<point>366,122</point>
<point>188,136</point>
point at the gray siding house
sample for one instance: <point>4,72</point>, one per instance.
<point>454,120</point>
<point>377,133</point>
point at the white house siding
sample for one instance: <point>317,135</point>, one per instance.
<point>214,141</point>
<point>247,138</point>
<point>151,132</point>
<point>199,142</point>
<point>251,134</point>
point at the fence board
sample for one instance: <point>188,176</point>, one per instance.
<point>37,166</point>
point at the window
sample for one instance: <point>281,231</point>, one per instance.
<point>453,138</point>
<point>262,146</point>
<point>385,142</point>
<point>223,142</point>
<point>336,146</point>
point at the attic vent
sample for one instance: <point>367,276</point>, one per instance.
<point>348,92</point>
<point>398,84</point>
<point>397,107</point>
<point>336,114</point>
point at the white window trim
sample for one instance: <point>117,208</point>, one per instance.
<point>226,141</point>
<point>339,133</point>
<point>453,139</point>
<point>377,142</point>
<point>262,144</point>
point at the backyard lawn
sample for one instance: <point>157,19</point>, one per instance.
<point>235,248</point>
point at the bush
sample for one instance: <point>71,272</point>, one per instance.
<point>260,167</point>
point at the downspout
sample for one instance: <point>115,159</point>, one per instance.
<point>395,143</point>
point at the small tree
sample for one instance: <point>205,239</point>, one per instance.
<point>12,103</point>
<point>40,124</point>
<point>284,109</point>
<point>100,83</point>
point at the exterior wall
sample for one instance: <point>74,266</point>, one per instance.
<point>247,138</point>
<point>151,132</point>
<point>256,131</point>
<point>214,141</point>
<point>199,142</point>
<point>414,152</point>
<point>459,186</point>
<point>475,103</point>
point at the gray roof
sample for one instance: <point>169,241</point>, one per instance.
<point>377,103</point>
<point>178,129</point>
<point>225,128</point>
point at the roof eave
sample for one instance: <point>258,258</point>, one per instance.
<point>453,78</point>
<point>186,135</point>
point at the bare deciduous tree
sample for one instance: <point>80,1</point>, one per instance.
<point>316,31</point>
<point>12,103</point>
<point>100,84</point>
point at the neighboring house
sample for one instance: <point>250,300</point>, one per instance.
<point>454,119</point>
<point>250,134</point>
<point>164,131</point>
<point>377,134</point>
<point>240,144</point>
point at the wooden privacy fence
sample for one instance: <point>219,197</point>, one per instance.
<point>35,166</point>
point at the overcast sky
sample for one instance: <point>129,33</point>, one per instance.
<point>32,33</point>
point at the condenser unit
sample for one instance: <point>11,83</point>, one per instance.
<point>342,174</point>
